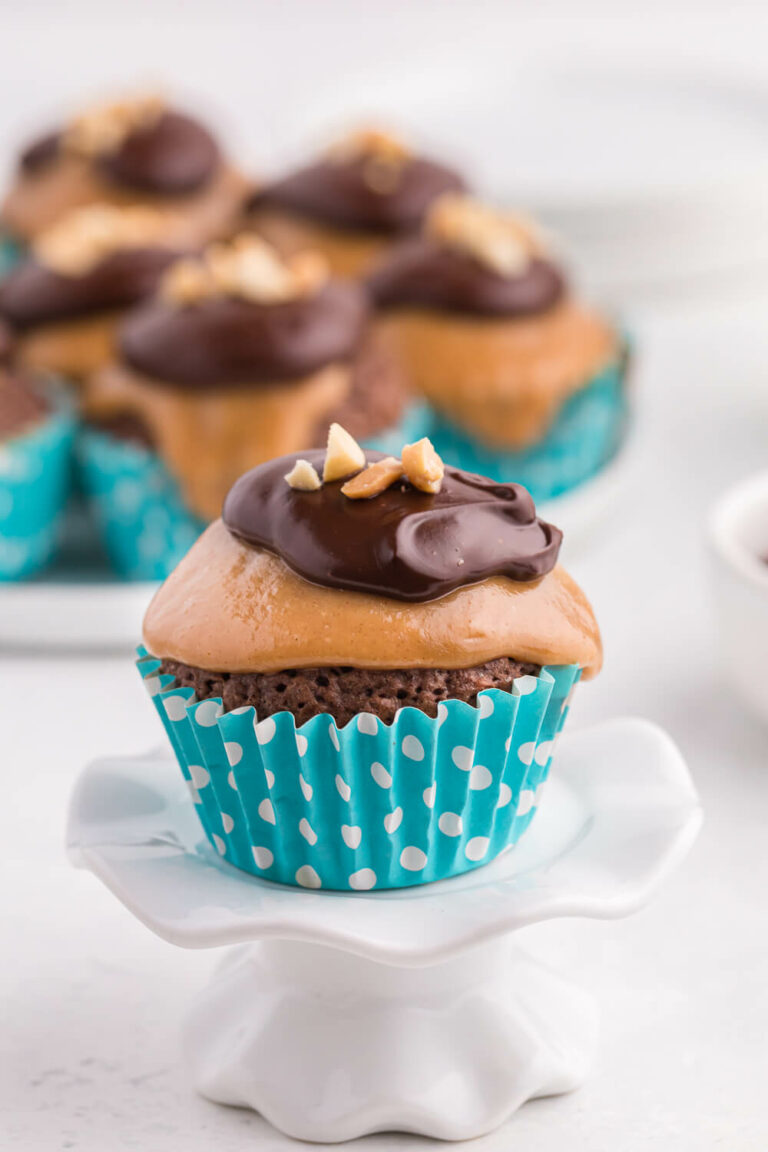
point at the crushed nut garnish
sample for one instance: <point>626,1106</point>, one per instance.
<point>422,466</point>
<point>103,128</point>
<point>87,235</point>
<point>250,268</point>
<point>186,282</point>
<point>374,480</point>
<point>504,242</point>
<point>343,456</point>
<point>303,477</point>
<point>370,142</point>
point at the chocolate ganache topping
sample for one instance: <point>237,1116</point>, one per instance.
<point>403,543</point>
<point>424,273</point>
<point>170,156</point>
<point>32,293</point>
<point>340,192</point>
<point>227,340</point>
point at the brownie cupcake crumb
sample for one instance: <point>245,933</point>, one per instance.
<point>344,692</point>
<point>21,406</point>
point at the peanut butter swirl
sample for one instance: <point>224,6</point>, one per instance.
<point>404,544</point>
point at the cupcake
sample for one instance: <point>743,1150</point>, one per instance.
<point>138,151</point>
<point>242,356</point>
<point>65,298</point>
<point>363,665</point>
<point>36,430</point>
<point>525,382</point>
<point>353,202</point>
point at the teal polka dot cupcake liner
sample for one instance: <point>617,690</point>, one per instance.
<point>35,474</point>
<point>144,523</point>
<point>585,437</point>
<point>369,805</point>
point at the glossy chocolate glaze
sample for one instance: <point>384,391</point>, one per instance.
<point>424,273</point>
<point>226,340</point>
<point>338,192</point>
<point>172,155</point>
<point>175,154</point>
<point>403,543</point>
<point>32,293</point>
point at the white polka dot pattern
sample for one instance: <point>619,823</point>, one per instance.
<point>414,859</point>
<point>307,877</point>
<point>369,805</point>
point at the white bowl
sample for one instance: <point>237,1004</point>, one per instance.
<point>738,532</point>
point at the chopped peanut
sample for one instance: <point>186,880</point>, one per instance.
<point>375,479</point>
<point>343,457</point>
<point>422,466</point>
<point>186,282</point>
<point>502,241</point>
<point>303,477</point>
<point>85,236</point>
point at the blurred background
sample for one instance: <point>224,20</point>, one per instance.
<point>639,134</point>
<point>636,131</point>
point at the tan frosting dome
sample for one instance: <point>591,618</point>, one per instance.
<point>229,607</point>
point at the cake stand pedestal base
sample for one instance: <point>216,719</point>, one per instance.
<point>345,1013</point>
<point>327,1045</point>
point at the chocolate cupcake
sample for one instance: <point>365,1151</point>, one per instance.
<point>363,666</point>
<point>66,297</point>
<point>242,356</point>
<point>353,202</point>
<point>525,382</point>
<point>36,431</point>
<point>138,151</point>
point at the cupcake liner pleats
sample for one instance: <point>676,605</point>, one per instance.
<point>370,805</point>
<point>145,526</point>
<point>35,472</point>
<point>586,435</point>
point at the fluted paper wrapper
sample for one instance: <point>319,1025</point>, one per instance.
<point>35,474</point>
<point>369,805</point>
<point>144,523</point>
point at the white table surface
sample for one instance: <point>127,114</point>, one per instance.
<point>91,1002</point>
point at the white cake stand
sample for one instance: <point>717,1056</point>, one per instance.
<point>414,1010</point>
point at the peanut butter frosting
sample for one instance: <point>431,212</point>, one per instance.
<point>231,607</point>
<point>504,380</point>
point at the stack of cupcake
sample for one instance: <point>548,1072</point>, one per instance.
<point>204,326</point>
